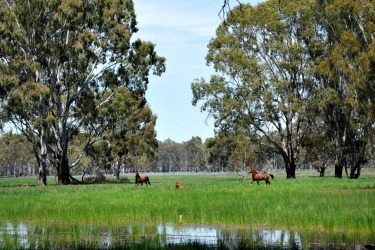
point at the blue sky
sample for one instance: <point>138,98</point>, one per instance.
<point>181,31</point>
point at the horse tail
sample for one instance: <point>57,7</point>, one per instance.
<point>272,176</point>
<point>148,180</point>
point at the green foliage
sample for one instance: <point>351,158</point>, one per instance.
<point>288,71</point>
<point>346,74</point>
<point>264,75</point>
<point>195,153</point>
<point>230,152</point>
<point>131,136</point>
<point>62,63</point>
<point>16,156</point>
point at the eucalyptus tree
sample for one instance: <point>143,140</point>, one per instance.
<point>131,134</point>
<point>15,156</point>
<point>217,150</point>
<point>171,156</point>
<point>74,151</point>
<point>61,63</point>
<point>264,74</point>
<point>346,75</point>
<point>230,152</point>
<point>242,155</point>
<point>195,153</point>
<point>319,150</point>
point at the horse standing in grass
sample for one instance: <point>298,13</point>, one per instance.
<point>260,177</point>
<point>141,179</point>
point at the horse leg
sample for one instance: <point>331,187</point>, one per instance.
<point>258,183</point>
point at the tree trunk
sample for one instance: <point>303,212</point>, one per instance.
<point>42,175</point>
<point>291,172</point>
<point>116,169</point>
<point>41,155</point>
<point>339,167</point>
<point>63,170</point>
<point>322,171</point>
<point>290,167</point>
<point>338,171</point>
<point>355,172</point>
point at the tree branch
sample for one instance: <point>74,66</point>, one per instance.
<point>105,101</point>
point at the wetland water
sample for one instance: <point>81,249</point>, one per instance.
<point>26,236</point>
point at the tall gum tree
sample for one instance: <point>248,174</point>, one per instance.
<point>61,62</point>
<point>264,74</point>
<point>346,76</point>
<point>131,133</point>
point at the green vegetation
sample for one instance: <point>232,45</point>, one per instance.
<point>99,75</point>
<point>306,203</point>
<point>293,74</point>
<point>293,84</point>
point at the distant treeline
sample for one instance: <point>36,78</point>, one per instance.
<point>230,153</point>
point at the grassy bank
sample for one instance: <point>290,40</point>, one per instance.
<point>305,203</point>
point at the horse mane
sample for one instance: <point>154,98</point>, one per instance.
<point>253,169</point>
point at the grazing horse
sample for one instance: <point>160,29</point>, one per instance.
<point>177,185</point>
<point>260,177</point>
<point>141,179</point>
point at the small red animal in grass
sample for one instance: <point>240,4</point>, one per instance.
<point>177,185</point>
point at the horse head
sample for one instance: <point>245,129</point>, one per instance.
<point>252,170</point>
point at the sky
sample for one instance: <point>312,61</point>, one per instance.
<point>181,31</point>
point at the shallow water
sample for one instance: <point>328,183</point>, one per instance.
<point>27,236</point>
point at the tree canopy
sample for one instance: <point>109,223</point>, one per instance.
<point>288,69</point>
<point>61,64</point>
<point>265,83</point>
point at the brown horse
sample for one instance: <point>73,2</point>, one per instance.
<point>177,185</point>
<point>141,179</point>
<point>260,177</point>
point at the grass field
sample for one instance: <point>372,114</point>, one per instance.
<point>306,203</point>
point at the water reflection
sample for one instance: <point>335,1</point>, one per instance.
<point>231,238</point>
<point>185,234</point>
<point>167,235</point>
<point>278,237</point>
<point>19,230</point>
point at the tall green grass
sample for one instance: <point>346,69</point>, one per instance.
<point>305,203</point>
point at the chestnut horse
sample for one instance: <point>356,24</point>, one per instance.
<point>260,177</point>
<point>177,185</point>
<point>141,179</point>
